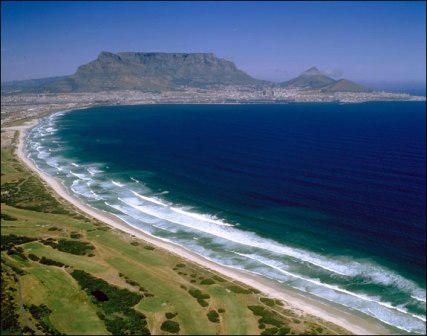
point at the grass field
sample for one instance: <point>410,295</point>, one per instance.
<point>165,282</point>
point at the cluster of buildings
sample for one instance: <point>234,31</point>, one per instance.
<point>19,106</point>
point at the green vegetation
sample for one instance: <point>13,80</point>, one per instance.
<point>268,302</point>
<point>115,303</point>
<point>240,290</point>
<point>170,326</point>
<point>50,262</point>
<point>7,217</point>
<point>9,241</point>
<point>213,316</point>
<point>197,294</point>
<point>207,281</point>
<point>41,314</point>
<point>75,235</point>
<point>170,315</point>
<point>70,246</point>
<point>9,305</point>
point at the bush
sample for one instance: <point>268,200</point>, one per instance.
<point>218,278</point>
<point>33,257</point>
<point>50,262</point>
<point>134,243</point>
<point>119,316</point>
<point>75,235</point>
<point>239,290</point>
<point>8,241</point>
<point>170,326</point>
<point>284,330</point>
<point>207,281</point>
<point>221,310</point>
<point>213,316</point>
<point>53,228</point>
<point>149,247</point>
<point>268,302</point>
<point>170,315</point>
<point>202,302</point>
<point>180,265</point>
<point>7,217</point>
<point>270,331</point>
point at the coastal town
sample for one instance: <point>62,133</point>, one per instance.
<point>21,106</point>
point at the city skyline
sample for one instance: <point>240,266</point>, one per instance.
<point>275,41</point>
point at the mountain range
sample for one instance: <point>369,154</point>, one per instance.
<point>156,72</point>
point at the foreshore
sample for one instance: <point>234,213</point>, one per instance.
<point>353,323</point>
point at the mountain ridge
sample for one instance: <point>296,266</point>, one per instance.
<point>161,71</point>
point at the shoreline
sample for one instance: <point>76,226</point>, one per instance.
<point>351,322</point>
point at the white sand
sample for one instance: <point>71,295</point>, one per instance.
<point>346,320</point>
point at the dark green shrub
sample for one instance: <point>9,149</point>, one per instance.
<point>202,302</point>
<point>221,310</point>
<point>270,331</point>
<point>170,326</point>
<point>239,290</point>
<point>7,217</point>
<point>75,235</point>
<point>207,281</point>
<point>170,315</point>
<point>213,316</point>
<point>284,330</point>
<point>33,257</point>
<point>50,262</point>
<point>267,301</point>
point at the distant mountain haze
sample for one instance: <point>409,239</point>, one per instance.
<point>313,79</point>
<point>158,71</point>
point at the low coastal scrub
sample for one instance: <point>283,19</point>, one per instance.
<point>9,305</point>
<point>197,294</point>
<point>70,246</point>
<point>240,290</point>
<point>28,193</point>
<point>6,217</point>
<point>8,241</point>
<point>41,314</point>
<point>50,262</point>
<point>213,316</point>
<point>116,305</point>
<point>267,316</point>
<point>170,326</point>
<point>75,235</point>
<point>170,315</point>
<point>207,281</point>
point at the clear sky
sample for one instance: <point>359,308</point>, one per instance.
<point>369,41</point>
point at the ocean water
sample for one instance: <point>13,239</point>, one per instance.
<point>327,199</point>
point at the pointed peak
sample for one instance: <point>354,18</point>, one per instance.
<point>312,72</point>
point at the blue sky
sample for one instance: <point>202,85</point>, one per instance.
<point>368,41</point>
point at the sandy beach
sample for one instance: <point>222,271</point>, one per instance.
<point>353,323</point>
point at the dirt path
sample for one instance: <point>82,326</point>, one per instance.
<point>21,307</point>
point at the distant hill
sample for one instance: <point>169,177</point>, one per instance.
<point>152,72</point>
<point>29,84</point>
<point>310,79</point>
<point>313,79</point>
<point>344,85</point>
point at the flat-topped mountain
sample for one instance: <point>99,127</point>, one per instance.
<point>152,72</point>
<point>159,71</point>
<point>313,79</point>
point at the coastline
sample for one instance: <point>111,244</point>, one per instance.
<point>355,324</point>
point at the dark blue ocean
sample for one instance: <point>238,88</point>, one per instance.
<point>328,199</point>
